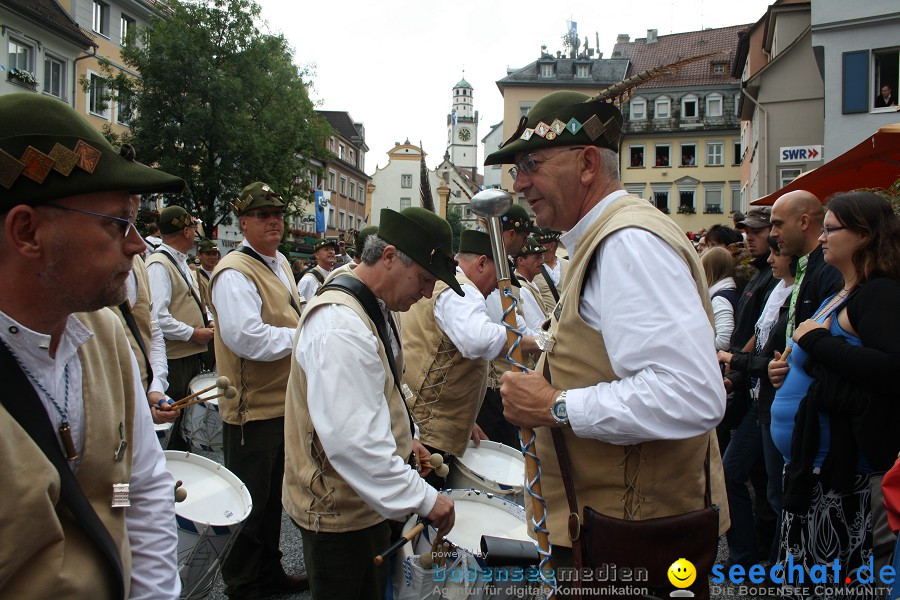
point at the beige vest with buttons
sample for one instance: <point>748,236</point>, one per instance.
<point>642,481</point>
<point>141,312</point>
<point>45,553</point>
<point>447,387</point>
<point>315,496</point>
<point>182,307</point>
<point>260,385</point>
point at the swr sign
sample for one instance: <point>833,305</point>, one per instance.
<point>800,154</point>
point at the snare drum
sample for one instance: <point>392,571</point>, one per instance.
<point>163,433</point>
<point>491,467</point>
<point>209,519</point>
<point>202,424</point>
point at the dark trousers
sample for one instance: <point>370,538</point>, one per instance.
<point>340,565</point>
<point>255,453</point>
<point>181,371</point>
<point>493,423</point>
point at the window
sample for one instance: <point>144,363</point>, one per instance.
<point>100,21</point>
<point>714,105</point>
<point>359,226</point>
<point>343,186</point>
<point>689,107</point>
<point>662,108</point>
<point>404,203</point>
<point>635,189</point>
<point>855,82</point>
<point>785,176</point>
<point>689,155</point>
<point>737,104</point>
<point>718,69</point>
<point>887,73</point>
<point>713,200</point>
<point>406,181</point>
<point>54,77</point>
<point>341,216</point>
<point>20,55</point>
<point>638,109</point>
<point>352,190</point>
<point>715,154</point>
<point>331,217</point>
<point>582,71</point>
<point>548,70</point>
<point>126,108</point>
<point>736,153</point>
<point>686,201</point>
<point>736,196</point>
<point>341,151</point>
<point>127,30</point>
<point>332,180</point>
<point>637,156</point>
<point>97,97</point>
<point>661,199</point>
<point>331,144</point>
<point>662,155</point>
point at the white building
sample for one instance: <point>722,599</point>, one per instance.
<point>462,127</point>
<point>493,173</point>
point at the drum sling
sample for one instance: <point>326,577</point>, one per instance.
<point>29,412</point>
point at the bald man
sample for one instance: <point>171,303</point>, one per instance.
<point>797,219</point>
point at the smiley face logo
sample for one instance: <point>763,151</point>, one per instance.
<point>682,573</point>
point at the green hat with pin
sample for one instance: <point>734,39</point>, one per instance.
<point>254,196</point>
<point>174,218</point>
<point>532,246</point>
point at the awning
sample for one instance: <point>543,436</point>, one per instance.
<point>874,163</point>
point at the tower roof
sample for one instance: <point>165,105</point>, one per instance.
<point>463,84</point>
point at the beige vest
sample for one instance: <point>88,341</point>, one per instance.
<point>182,307</point>
<point>541,283</point>
<point>260,384</point>
<point>642,481</point>
<point>448,388</point>
<point>141,312</point>
<point>315,496</point>
<point>203,286</point>
<point>44,553</point>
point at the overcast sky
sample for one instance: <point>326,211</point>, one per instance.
<point>392,64</point>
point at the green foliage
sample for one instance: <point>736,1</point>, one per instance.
<point>891,194</point>
<point>455,220</point>
<point>220,104</point>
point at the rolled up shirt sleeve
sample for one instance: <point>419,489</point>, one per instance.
<point>466,322</point>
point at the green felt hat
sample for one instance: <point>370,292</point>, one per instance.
<point>475,242</point>
<point>324,243</point>
<point>545,235</point>
<point>256,195</point>
<point>174,218</point>
<point>563,119</point>
<point>364,234</point>
<point>206,245</point>
<point>48,151</point>
<point>516,218</point>
<point>424,237</point>
<point>532,246</point>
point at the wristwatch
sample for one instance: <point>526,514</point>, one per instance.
<point>558,410</point>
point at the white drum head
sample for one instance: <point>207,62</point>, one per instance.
<point>480,513</point>
<point>495,462</point>
<point>203,381</point>
<point>215,496</point>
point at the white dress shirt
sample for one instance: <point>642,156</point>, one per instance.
<point>158,361</point>
<point>466,322</point>
<point>309,285</point>
<point>161,288</point>
<point>150,520</point>
<point>534,314</point>
<point>640,294</point>
<point>495,311</point>
<point>239,309</point>
<point>555,272</point>
<point>350,413</point>
<point>723,312</point>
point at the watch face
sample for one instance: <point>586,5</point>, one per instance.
<point>560,412</point>
<point>465,134</point>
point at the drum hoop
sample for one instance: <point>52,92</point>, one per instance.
<point>219,470</point>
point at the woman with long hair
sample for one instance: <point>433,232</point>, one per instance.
<point>718,265</point>
<point>836,415</point>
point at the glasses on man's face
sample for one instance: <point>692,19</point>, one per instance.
<point>528,165</point>
<point>828,230</point>
<point>265,215</point>
<point>124,225</point>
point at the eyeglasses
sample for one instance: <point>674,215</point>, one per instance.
<point>827,230</point>
<point>124,225</point>
<point>528,165</point>
<point>265,215</point>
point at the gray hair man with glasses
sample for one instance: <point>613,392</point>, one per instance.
<point>628,354</point>
<point>257,308</point>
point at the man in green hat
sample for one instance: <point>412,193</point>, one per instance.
<point>323,254</point>
<point>553,271</point>
<point>630,343</point>
<point>209,255</point>
<point>178,308</point>
<point>449,340</point>
<point>87,501</point>
<point>348,431</point>
<point>355,251</point>
<point>257,308</point>
<point>529,261</point>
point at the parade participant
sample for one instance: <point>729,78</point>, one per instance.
<point>153,240</point>
<point>637,417</point>
<point>87,503</point>
<point>208,254</point>
<point>553,271</point>
<point>529,262</point>
<point>349,438</point>
<point>448,340</point>
<point>178,309</point>
<point>257,308</point>
<point>323,253</point>
<point>361,238</point>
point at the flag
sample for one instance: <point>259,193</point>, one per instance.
<point>322,199</point>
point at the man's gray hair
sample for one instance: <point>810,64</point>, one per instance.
<point>610,163</point>
<point>374,248</point>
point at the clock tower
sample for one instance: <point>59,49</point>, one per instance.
<point>462,128</point>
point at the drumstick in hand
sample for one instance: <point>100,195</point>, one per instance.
<point>221,383</point>
<point>230,392</point>
<point>407,537</point>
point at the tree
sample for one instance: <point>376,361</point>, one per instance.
<point>220,104</point>
<point>456,226</point>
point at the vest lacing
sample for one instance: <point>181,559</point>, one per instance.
<point>326,500</point>
<point>632,498</point>
<point>429,394</point>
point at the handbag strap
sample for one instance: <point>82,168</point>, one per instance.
<point>22,403</point>
<point>253,254</point>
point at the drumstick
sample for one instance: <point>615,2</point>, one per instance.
<point>428,560</point>
<point>180,492</point>
<point>407,537</point>
<point>221,383</point>
<point>230,392</point>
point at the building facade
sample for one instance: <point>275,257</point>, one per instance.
<point>491,142</point>
<point>681,149</point>
<point>462,128</point>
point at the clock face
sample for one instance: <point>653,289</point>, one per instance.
<point>465,134</point>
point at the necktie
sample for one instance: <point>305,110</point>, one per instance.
<point>792,307</point>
